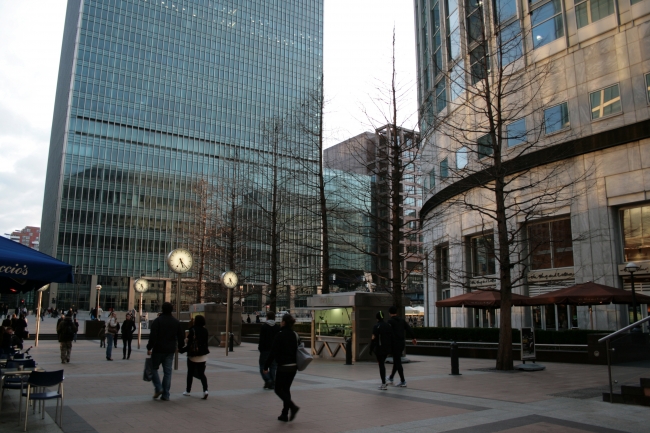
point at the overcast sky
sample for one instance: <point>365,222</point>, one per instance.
<point>357,57</point>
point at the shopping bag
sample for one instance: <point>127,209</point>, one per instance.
<point>303,356</point>
<point>148,370</point>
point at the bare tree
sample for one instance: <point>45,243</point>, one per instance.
<point>485,136</point>
<point>391,157</point>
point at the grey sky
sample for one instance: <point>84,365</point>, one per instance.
<point>357,57</point>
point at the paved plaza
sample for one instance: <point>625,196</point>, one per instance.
<point>110,397</point>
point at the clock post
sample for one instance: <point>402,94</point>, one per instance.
<point>229,280</point>
<point>179,261</point>
<point>141,286</point>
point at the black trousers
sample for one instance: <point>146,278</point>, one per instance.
<point>196,369</point>
<point>397,361</point>
<point>283,379</point>
<point>381,359</point>
<point>126,341</point>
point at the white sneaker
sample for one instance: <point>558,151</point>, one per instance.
<point>389,381</point>
<point>402,384</point>
<point>383,387</point>
<point>186,394</point>
<point>205,395</point>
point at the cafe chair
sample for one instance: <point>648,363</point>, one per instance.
<point>15,382</point>
<point>45,379</point>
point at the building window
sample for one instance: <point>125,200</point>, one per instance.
<point>432,178</point>
<point>636,233</point>
<point>605,102</point>
<point>556,118</point>
<point>633,2</point>
<point>462,157</point>
<point>647,85</point>
<point>443,264</point>
<point>437,39</point>
<point>453,29</point>
<point>411,213</point>
<point>457,79</point>
<point>516,132</point>
<point>506,9</point>
<point>511,44</point>
<point>479,64</point>
<point>441,95</point>
<point>474,17</point>
<point>589,11</point>
<point>484,146</point>
<point>444,168</point>
<point>547,23</point>
<point>483,261</point>
<point>550,244</point>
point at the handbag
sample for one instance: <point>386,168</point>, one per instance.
<point>193,348</point>
<point>148,370</point>
<point>303,356</point>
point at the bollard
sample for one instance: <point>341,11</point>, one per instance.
<point>232,342</point>
<point>453,353</point>
<point>348,351</point>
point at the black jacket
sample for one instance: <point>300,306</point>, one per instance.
<point>267,335</point>
<point>166,334</point>
<point>66,330</point>
<point>201,336</point>
<point>400,326</point>
<point>283,350</point>
<point>128,328</point>
<point>383,341</point>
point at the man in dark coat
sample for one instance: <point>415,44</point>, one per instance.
<point>66,330</point>
<point>166,335</point>
<point>399,326</point>
<point>268,331</point>
<point>381,344</point>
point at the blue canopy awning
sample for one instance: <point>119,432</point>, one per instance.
<point>23,269</point>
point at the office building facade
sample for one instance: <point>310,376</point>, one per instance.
<point>152,97</point>
<point>367,156</point>
<point>575,148</point>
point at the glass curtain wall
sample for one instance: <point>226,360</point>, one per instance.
<point>162,96</point>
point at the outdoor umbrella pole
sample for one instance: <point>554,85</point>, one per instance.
<point>38,317</point>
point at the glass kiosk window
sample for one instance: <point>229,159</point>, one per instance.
<point>336,322</point>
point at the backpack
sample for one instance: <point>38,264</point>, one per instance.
<point>68,331</point>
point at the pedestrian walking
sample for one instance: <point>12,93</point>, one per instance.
<point>76,328</point>
<point>111,334</point>
<point>65,331</point>
<point>166,335</point>
<point>283,351</point>
<point>118,330</point>
<point>268,331</point>
<point>102,335</point>
<point>196,346</point>
<point>128,328</point>
<point>20,329</point>
<point>399,326</point>
<point>381,344</point>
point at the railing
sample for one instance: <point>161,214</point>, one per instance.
<point>629,353</point>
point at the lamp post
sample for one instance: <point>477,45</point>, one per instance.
<point>99,288</point>
<point>632,267</point>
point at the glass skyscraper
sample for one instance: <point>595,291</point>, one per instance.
<point>154,96</point>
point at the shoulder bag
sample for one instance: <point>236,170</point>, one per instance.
<point>303,356</point>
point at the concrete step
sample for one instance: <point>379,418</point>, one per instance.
<point>627,399</point>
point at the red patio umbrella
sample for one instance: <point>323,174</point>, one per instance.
<point>481,298</point>
<point>589,293</point>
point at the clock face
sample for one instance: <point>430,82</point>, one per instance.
<point>229,279</point>
<point>179,261</point>
<point>141,285</point>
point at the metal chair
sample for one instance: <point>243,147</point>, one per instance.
<point>45,379</point>
<point>17,383</point>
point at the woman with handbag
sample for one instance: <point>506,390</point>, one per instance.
<point>111,334</point>
<point>196,346</point>
<point>283,352</point>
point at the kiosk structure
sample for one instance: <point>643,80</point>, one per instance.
<point>339,316</point>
